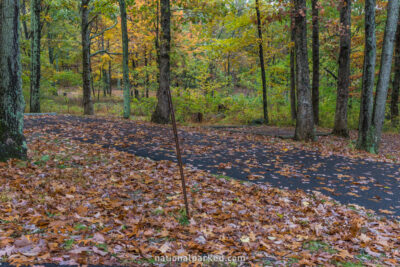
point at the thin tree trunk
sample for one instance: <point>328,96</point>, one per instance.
<point>109,89</point>
<point>340,128</point>
<point>125,60</point>
<point>394,103</point>
<point>305,120</point>
<point>35,56</point>
<point>368,79</point>
<point>146,82</point>
<point>378,116</point>
<point>135,83</point>
<point>293,108</point>
<point>157,39</point>
<point>262,64</point>
<point>315,55</point>
<point>12,140</point>
<point>50,47</point>
<point>163,110</point>
<point>24,26</point>
<point>87,97</point>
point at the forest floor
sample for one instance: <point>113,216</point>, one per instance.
<point>106,191</point>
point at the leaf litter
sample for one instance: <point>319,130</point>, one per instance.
<point>77,203</point>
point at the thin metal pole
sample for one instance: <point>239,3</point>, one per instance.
<point>178,151</point>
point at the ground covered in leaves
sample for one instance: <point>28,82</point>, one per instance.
<point>328,166</point>
<point>79,203</point>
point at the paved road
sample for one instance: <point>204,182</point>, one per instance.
<point>374,185</point>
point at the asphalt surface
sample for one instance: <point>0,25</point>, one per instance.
<point>374,185</point>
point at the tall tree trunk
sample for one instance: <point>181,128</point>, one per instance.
<point>293,108</point>
<point>340,127</point>
<point>109,78</point>
<point>394,103</point>
<point>109,89</point>
<point>87,97</point>
<point>315,55</point>
<point>368,79</point>
<point>125,60</point>
<point>146,82</point>
<point>262,64</point>
<point>103,72</point>
<point>135,77</point>
<point>35,56</point>
<point>163,110</point>
<point>50,47</point>
<point>157,39</point>
<point>12,140</point>
<point>378,115</point>
<point>305,119</point>
<point>24,26</point>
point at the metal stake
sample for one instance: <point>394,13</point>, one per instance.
<point>178,152</point>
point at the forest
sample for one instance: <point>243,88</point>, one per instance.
<point>284,148</point>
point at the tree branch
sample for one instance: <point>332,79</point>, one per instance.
<point>103,31</point>
<point>331,73</point>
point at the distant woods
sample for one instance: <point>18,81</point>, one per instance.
<point>301,63</point>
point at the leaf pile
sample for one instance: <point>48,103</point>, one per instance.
<point>76,203</point>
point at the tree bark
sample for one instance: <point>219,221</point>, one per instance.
<point>125,60</point>
<point>35,57</point>
<point>394,103</point>
<point>305,119</point>
<point>50,47</point>
<point>163,110</point>
<point>368,79</point>
<point>293,108</point>
<point>340,128</point>
<point>262,64</point>
<point>24,26</point>
<point>87,97</point>
<point>146,82</point>
<point>315,59</point>
<point>12,140</point>
<point>378,115</point>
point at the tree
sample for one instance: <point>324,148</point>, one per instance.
<point>378,115</point>
<point>305,119</point>
<point>315,59</point>
<point>125,60</point>
<point>87,97</point>
<point>340,128</point>
<point>368,78</point>
<point>163,110</point>
<point>293,108</point>
<point>372,112</point>
<point>262,63</point>
<point>12,140</point>
<point>35,56</point>
<point>394,107</point>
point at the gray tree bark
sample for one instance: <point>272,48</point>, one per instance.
<point>368,79</point>
<point>394,103</point>
<point>125,60</point>
<point>12,140</point>
<point>262,64</point>
<point>378,115</point>
<point>163,110</point>
<point>35,56</point>
<point>87,97</point>
<point>146,82</point>
<point>305,119</point>
<point>340,128</point>
<point>316,60</point>
<point>293,108</point>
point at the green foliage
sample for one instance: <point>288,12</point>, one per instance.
<point>67,78</point>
